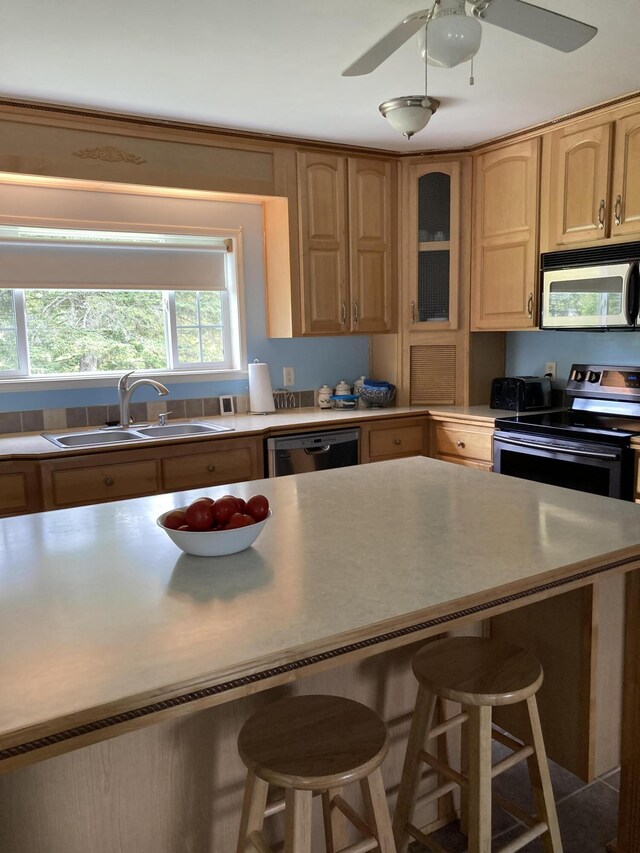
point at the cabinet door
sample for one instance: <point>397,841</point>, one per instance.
<point>579,186</point>
<point>19,488</point>
<point>370,245</point>
<point>433,270</point>
<point>505,238</point>
<point>213,464</point>
<point>323,243</point>
<point>625,214</point>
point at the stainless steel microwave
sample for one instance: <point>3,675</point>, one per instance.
<point>591,288</point>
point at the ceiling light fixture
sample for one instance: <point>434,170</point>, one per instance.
<point>454,36</point>
<point>410,113</point>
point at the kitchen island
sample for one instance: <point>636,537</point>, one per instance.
<point>107,629</point>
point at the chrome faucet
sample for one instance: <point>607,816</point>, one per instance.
<point>125,392</point>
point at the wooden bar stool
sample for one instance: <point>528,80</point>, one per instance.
<point>478,674</point>
<point>314,743</point>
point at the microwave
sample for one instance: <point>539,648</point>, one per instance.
<point>595,288</point>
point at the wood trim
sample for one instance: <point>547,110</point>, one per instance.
<point>44,744</point>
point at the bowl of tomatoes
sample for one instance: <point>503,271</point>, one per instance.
<point>215,528</point>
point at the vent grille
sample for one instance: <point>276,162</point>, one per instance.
<point>586,257</point>
<point>433,374</point>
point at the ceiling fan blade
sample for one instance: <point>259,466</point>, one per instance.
<point>387,45</point>
<point>541,25</point>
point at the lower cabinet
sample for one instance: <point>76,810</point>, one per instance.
<point>465,442</point>
<point>393,439</point>
<point>19,488</point>
<point>115,475</point>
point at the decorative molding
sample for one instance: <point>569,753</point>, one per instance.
<point>110,154</point>
<point>265,675</point>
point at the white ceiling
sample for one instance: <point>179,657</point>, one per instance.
<point>275,66</point>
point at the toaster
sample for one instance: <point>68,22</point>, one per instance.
<point>520,393</point>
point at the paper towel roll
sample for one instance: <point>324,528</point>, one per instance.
<point>260,391</point>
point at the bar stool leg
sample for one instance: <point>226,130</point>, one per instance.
<point>252,820</point>
<point>421,724</point>
<point>541,783</point>
<point>479,757</point>
<point>377,810</point>
<point>335,823</point>
<point>297,829</point>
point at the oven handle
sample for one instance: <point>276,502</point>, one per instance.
<point>575,452</point>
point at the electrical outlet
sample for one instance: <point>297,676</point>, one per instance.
<point>550,369</point>
<point>289,376</point>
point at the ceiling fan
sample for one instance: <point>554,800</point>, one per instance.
<point>454,36</point>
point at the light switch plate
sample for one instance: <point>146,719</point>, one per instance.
<point>550,369</point>
<point>289,376</point>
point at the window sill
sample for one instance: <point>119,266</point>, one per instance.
<point>110,380</point>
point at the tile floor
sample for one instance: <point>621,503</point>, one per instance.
<point>587,813</point>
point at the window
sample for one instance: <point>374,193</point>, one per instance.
<point>85,301</point>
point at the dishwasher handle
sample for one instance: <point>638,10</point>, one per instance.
<point>317,451</point>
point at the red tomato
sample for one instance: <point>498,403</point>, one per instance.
<point>199,514</point>
<point>175,519</point>
<point>242,504</point>
<point>239,519</point>
<point>224,508</point>
<point>258,507</point>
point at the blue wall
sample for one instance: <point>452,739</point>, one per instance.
<point>316,360</point>
<point>527,352</point>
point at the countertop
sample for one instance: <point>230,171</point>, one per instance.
<point>19,445</point>
<point>103,620</point>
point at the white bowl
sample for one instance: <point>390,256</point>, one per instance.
<point>213,543</point>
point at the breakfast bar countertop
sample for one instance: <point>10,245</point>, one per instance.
<point>105,625</point>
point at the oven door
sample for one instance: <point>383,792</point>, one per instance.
<point>601,469</point>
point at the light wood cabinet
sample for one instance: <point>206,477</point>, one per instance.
<point>339,274</point>
<point>19,488</point>
<point>222,461</point>
<point>393,439</point>
<point>504,269</point>
<point>346,269</point>
<point>591,188</point>
<point>463,441</point>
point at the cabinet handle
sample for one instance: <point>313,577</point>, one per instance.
<point>356,314</point>
<point>413,311</point>
<point>211,468</point>
<point>617,210</point>
<point>601,214</point>
<point>397,441</point>
<point>459,443</point>
<point>530,306</point>
<point>344,313</point>
<point>108,481</point>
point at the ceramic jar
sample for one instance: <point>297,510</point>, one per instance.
<point>324,397</point>
<point>343,387</point>
<point>357,385</point>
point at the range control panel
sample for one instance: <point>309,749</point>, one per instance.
<point>604,381</point>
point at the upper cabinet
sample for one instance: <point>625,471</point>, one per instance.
<point>591,186</point>
<point>504,269</point>
<point>432,227</point>
<point>339,277</point>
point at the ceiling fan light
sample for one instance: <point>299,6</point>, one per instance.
<point>410,113</point>
<point>452,38</point>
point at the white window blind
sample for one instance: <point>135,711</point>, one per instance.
<point>75,258</point>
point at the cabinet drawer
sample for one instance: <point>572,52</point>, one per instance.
<point>396,441</point>
<point>208,469</point>
<point>74,486</point>
<point>464,442</point>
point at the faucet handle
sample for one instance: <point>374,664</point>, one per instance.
<point>162,418</point>
<point>122,382</point>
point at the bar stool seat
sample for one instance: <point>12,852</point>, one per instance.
<point>314,743</point>
<point>478,674</point>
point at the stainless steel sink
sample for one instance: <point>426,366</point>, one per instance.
<point>99,437</point>
<point>89,439</point>
<point>177,430</point>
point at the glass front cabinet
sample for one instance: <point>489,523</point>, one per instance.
<point>434,247</point>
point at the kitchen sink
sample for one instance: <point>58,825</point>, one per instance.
<point>177,430</point>
<point>99,437</point>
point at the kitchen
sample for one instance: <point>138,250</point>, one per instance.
<point>181,157</point>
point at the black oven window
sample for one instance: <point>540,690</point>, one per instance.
<point>556,472</point>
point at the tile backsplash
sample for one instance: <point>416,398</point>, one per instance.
<point>46,420</point>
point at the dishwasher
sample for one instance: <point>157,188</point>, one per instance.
<point>315,451</point>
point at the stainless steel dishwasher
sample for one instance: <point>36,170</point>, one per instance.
<point>315,451</point>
